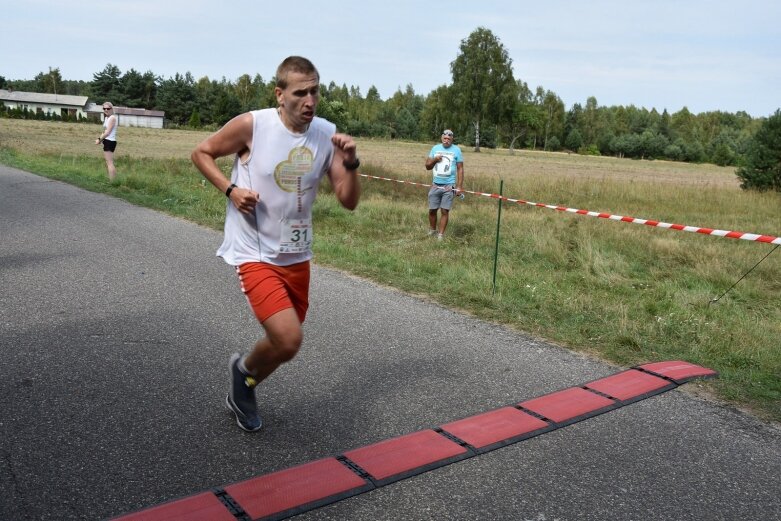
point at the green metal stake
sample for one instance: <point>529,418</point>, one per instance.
<point>498,221</point>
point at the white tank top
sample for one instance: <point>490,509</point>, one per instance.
<point>112,136</point>
<point>285,168</point>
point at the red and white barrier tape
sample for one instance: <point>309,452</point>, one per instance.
<point>648,222</point>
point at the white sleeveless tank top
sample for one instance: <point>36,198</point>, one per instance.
<point>112,136</point>
<point>285,168</point>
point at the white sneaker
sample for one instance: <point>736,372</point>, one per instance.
<point>432,232</point>
<point>440,236</point>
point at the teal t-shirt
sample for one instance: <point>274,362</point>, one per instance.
<point>445,171</point>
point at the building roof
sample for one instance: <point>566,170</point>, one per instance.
<point>37,97</point>
<point>125,111</point>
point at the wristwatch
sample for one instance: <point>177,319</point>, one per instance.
<point>352,166</point>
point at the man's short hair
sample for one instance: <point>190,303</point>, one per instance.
<point>294,64</point>
<point>447,132</point>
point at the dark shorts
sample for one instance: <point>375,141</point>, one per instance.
<point>109,146</point>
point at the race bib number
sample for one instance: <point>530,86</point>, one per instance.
<point>296,236</point>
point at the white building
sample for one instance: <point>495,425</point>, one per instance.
<point>78,107</point>
<point>130,117</point>
<point>61,104</point>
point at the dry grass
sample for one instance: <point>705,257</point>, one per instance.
<point>407,159</point>
<point>79,139</point>
<point>403,158</point>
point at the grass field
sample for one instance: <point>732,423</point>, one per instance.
<point>625,293</point>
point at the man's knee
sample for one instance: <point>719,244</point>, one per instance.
<point>287,347</point>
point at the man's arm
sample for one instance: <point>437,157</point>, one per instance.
<point>459,176</point>
<point>432,160</point>
<point>235,137</point>
<point>345,182</point>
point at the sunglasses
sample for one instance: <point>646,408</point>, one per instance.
<point>448,134</point>
<point>106,108</point>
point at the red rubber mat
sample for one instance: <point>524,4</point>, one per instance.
<point>570,405</point>
<point>202,507</point>
<point>631,385</point>
<point>406,455</point>
<point>677,371</point>
<point>497,428</point>
<point>285,493</point>
<point>298,488</point>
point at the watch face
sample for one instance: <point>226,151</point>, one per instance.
<point>352,166</point>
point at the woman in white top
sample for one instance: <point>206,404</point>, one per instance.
<point>109,138</point>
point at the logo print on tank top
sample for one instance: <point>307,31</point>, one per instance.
<point>288,173</point>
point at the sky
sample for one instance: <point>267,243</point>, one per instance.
<point>663,54</point>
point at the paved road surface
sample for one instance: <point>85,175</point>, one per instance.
<point>116,324</point>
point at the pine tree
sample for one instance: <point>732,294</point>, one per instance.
<point>762,164</point>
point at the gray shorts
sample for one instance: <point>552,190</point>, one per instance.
<point>440,196</point>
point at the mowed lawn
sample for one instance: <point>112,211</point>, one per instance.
<point>626,293</point>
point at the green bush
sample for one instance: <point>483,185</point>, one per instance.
<point>589,150</point>
<point>761,168</point>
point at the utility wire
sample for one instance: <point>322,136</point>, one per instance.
<point>744,275</point>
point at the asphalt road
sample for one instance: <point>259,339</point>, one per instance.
<point>116,325</point>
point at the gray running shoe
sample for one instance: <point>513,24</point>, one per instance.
<point>241,397</point>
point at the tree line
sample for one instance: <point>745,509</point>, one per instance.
<point>485,105</point>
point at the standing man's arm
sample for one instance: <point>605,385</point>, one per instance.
<point>432,160</point>
<point>234,138</point>
<point>345,180</point>
<point>459,177</point>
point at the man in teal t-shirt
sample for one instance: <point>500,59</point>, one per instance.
<point>447,165</point>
